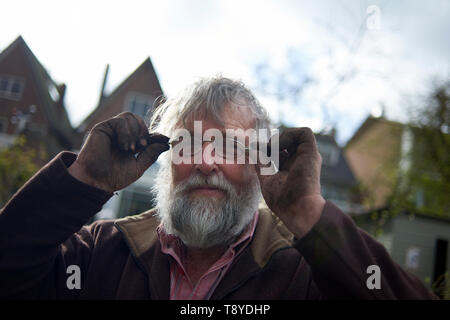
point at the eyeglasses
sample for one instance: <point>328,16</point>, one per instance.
<point>226,148</point>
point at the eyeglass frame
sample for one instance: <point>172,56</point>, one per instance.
<point>224,156</point>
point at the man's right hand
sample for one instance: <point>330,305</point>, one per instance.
<point>107,159</point>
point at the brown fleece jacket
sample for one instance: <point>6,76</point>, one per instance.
<point>43,231</point>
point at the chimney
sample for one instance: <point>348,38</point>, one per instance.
<point>62,91</point>
<point>102,91</point>
<point>333,132</point>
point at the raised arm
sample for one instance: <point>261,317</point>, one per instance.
<point>341,256</point>
<point>59,199</point>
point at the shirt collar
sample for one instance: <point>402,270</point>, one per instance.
<point>173,245</point>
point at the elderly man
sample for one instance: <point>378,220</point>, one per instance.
<point>206,238</point>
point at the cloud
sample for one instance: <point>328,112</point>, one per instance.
<point>188,39</point>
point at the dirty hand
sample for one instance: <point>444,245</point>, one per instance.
<point>293,193</point>
<point>107,159</point>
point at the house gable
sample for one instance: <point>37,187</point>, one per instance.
<point>373,154</point>
<point>39,107</point>
<point>139,90</point>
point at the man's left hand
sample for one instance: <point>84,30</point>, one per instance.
<point>293,193</point>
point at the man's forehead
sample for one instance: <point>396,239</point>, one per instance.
<point>232,117</point>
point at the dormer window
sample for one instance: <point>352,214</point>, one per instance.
<point>53,91</point>
<point>329,153</point>
<point>11,87</point>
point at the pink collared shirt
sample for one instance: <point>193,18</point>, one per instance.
<point>181,287</point>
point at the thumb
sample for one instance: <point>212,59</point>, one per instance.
<point>150,154</point>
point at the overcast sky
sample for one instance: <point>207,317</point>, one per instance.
<point>391,49</point>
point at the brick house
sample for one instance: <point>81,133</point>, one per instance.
<point>32,103</point>
<point>136,94</point>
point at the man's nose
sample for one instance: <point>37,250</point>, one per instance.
<point>208,161</point>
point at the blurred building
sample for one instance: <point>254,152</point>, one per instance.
<point>136,94</point>
<point>419,243</point>
<point>337,180</point>
<point>32,104</point>
<point>379,154</point>
<point>374,153</point>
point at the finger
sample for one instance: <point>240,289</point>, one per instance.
<point>137,130</point>
<point>270,182</point>
<point>289,138</point>
<point>284,160</point>
<point>157,138</point>
<point>295,143</point>
<point>150,154</point>
<point>285,141</point>
<point>143,133</point>
<point>143,129</point>
<point>120,132</point>
<point>134,128</point>
<point>292,138</point>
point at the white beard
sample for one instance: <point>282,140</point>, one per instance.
<point>203,222</point>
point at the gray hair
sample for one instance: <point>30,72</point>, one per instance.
<point>207,222</point>
<point>207,97</point>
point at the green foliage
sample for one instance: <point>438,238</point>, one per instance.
<point>424,186</point>
<point>442,286</point>
<point>16,167</point>
<point>420,181</point>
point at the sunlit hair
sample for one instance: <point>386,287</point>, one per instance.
<point>207,98</point>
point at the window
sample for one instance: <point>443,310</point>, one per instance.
<point>420,199</point>
<point>329,153</point>
<point>3,124</point>
<point>53,91</point>
<point>15,88</point>
<point>4,84</point>
<point>139,104</point>
<point>11,87</point>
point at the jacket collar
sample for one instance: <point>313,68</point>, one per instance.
<point>140,234</point>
